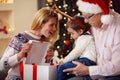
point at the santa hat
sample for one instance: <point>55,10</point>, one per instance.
<point>96,6</point>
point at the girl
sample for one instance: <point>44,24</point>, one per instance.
<point>44,28</point>
<point>84,50</point>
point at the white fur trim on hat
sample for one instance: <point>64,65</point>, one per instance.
<point>106,19</point>
<point>88,7</point>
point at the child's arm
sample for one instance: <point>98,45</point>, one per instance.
<point>81,44</point>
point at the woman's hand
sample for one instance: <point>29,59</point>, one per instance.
<point>79,70</point>
<point>25,49</point>
<point>49,55</point>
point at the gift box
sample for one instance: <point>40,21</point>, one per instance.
<point>34,67</point>
<point>38,72</point>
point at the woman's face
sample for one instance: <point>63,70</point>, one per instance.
<point>49,27</point>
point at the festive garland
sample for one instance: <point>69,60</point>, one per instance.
<point>3,28</point>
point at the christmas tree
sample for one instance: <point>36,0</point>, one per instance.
<point>65,43</point>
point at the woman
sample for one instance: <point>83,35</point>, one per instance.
<point>44,28</point>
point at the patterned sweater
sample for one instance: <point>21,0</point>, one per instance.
<point>9,58</point>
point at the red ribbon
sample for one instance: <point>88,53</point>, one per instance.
<point>21,68</point>
<point>34,71</point>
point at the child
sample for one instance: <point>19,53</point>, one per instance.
<point>44,28</point>
<point>84,50</point>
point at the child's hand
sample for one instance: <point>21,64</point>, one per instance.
<point>60,62</point>
<point>50,54</point>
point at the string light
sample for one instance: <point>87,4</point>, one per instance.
<point>59,6</point>
<point>68,51</point>
<point>73,10</point>
<point>58,47</point>
<point>111,6</point>
<point>64,34</point>
<point>65,5</point>
<point>65,12</point>
<point>64,24</point>
<point>65,18</point>
<point>61,56</point>
<point>79,14</point>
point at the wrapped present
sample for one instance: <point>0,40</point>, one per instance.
<point>34,67</point>
<point>38,72</point>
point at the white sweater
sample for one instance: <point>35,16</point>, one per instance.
<point>84,47</point>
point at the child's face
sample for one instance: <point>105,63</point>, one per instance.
<point>74,34</point>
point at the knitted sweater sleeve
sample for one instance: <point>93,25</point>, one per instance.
<point>9,58</point>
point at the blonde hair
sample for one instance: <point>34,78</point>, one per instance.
<point>42,16</point>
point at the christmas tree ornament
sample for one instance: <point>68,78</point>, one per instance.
<point>67,42</point>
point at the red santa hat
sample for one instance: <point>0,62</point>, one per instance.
<point>96,6</point>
